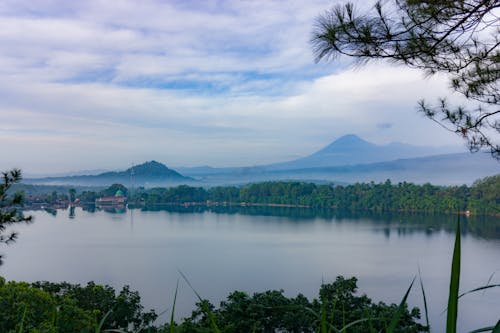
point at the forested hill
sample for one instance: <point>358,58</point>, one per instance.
<point>151,173</point>
<point>483,197</point>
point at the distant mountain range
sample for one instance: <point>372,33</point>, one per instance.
<point>348,150</point>
<point>346,160</point>
<point>147,174</point>
<point>351,159</point>
<point>352,150</point>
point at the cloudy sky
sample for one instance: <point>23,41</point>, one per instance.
<point>103,84</point>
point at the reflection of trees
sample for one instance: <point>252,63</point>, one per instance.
<point>487,227</point>
<point>113,210</point>
<point>88,208</point>
<point>71,212</point>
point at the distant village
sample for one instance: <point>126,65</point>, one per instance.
<point>54,200</point>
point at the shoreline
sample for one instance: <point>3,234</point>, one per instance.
<point>130,205</point>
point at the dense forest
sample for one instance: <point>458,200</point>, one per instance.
<point>482,198</point>
<point>64,307</point>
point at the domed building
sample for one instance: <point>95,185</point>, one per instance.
<point>118,200</point>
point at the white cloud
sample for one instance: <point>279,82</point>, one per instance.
<point>220,83</point>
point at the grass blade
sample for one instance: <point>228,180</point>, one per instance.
<point>370,324</point>
<point>343,315</point>
<point>484,329</point>
<point>496,329</point>
<point>489,280</point>
<point>425,300</point>
<point>493,329</point>
<point>21,327</point>
<point>400,310</point>
<point>451,318</point>
<point>479,289</point>
<point>204,306</point>
<point>172,329</point>
<point>318,317</point>
<point>98,328</point>
<point>334,305</point>
<point>362,320</point>
<point>323,318</point>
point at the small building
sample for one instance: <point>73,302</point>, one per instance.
<point>119,199</point>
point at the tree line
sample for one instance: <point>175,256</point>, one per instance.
<point>483,197</point>
<point>64,307</point>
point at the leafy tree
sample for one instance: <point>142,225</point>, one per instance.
<point>482,198</point>
<point>272,311</point>
<point>88,197</point>
<point>9,206</point>
<point>72,195</point>
<point>342,306</point>
<point>458,38</point>
<point>125,309</point>
<point>64,307</point>
<point>38,311</point>
<point>485,195</point>
<point>110,191</point>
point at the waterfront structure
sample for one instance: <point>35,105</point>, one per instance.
<point>119,199</point>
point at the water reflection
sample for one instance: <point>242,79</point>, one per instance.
<point>487,227</point>
<point>72,212</point>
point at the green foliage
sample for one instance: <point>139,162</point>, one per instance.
<point>399,312</point>
<point>271,311</point>
<point>482,198</point>
<point>38,311</point>
<point>63,307</point>
<point>111,191</point>
<point>72,194</point>
<point>125,308</point>
<point>452,313</point>
<point>88,196</point>
<point>485,196</point>
<point>458,38</point>
<point>10,206</point>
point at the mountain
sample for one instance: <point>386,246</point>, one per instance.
<point>346,150</point>
<point>346,160</point>
<point>446,169</point>
<point>351,159</point>
<point>352,150</point>
<point>147,174</point>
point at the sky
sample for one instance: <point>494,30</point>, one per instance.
<point>100,84</point>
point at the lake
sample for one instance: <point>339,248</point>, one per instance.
<point>260,248</point>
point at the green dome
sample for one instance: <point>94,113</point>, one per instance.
<point>119,193</point>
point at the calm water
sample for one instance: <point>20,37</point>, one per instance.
<point>254,249</point>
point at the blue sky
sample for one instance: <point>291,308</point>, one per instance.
<point>104,84</point>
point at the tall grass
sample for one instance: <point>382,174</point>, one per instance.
<point>172,322</point>
<point>452,315</point>
<point>204,305</point>
<point>397,315</point>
